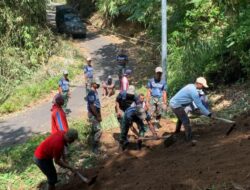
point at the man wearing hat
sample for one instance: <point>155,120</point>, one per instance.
<point>133,114</point>
<point>108,87</point>
<point>88,74</point>
<point>52,148</point>
<point>94,114</point>
<point>184,97</point>
<point>156,98</point>
<point>124,83</point>
<point>64,90</point>
<point>58,116</point>
<point>123,101</point>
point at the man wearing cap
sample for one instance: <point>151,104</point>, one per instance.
<point>133,114</point>
<point>123,101</point>
<point>94,114</point>
<point>58,117</point>
<point>64,89</point>
<point>108,87</point>
<point>124,83</point>
<point>157,96</point>
<point>88,74</point>
<point>184,97</point>
<point>122,61</point>
<point>52,148</point>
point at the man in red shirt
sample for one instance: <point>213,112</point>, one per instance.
<point>53,148</point>
<point>58,116</point>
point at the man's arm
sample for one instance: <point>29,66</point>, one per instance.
<point>197,101</point>
<point>63,164</point>
<point>164,97</point>
<point>95,112</point>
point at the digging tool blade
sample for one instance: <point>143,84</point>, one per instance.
<point>230,129</point>
<point>86,180</point>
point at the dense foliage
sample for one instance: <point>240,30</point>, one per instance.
<point>25,41</point>
<point>205,37</point>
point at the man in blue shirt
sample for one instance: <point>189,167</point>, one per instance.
<point>64,90</point>
<point>88,74</point>
<point>133,114</point>
<point>94,114</point>
<point>157,96</point>
<point>184,97</point>
<point>122,61</point>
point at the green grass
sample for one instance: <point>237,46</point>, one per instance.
<point>17,170</point>
<point>45,81</point>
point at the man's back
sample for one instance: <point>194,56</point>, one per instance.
<point>51,147</point>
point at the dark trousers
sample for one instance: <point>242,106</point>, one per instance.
<point>48,168</point>
<point>183,119</point>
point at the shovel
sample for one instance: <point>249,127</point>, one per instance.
<point>227,121</point>
<point>86,180</point>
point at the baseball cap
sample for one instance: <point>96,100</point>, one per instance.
<point>127,72</point>
<point>89,59</point>
<point>65,72</point>
<point>158,70</point>
<point>140,112</point>
<point>109,77</point>
<point>131,90</point>
<point>72,134</point>
<point>202,81</point>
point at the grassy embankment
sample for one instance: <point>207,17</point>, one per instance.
<point>45,81</point>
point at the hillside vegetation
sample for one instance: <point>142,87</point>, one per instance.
<point>25,42</point>
<point>205,37</point>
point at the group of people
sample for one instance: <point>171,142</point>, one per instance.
<point>130,107</point>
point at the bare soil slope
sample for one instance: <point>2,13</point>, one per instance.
<point>216,162</point>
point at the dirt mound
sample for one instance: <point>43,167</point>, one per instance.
<point>216,162</point>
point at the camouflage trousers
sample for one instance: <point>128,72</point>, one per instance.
<point>156,109</point>
<point>95,129</point>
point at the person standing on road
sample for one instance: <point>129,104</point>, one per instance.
<point>52,148</point>
<point>184,97</point>
<point>64,90</point>
<point>124,82</point>
<point>94,114</point>
<point>88,74</point>
<point>156,99</point>
<point>122,61</point>
<point>58,116</point>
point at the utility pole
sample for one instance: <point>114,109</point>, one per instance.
<point>164,38</point>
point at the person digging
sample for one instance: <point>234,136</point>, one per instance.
<point>52,148</point>
<point>132,115</point>
<point>184,97</point>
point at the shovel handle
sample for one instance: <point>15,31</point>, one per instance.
<point>225,120</point>
<point>84,179</point>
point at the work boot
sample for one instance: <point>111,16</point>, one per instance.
<point>139,144</point>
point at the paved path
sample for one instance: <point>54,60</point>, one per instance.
<point>16,128</point>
